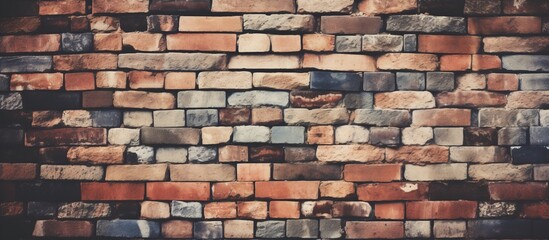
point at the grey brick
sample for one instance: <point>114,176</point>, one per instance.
<point>417,229</point>
<point>279,22</point>
<point>11,101</point>
<point>410,42</point>
<point>539,135</point>
<point>544,117</point>
<point>251,134</point>
<point>359,100</point>
<point>302,228</point>
<point>496,209</point>
<point>335,81</point>
<point>77,42</point>
<point>186,209</point>
<point>84,210</point>
<point>299,154</point>
<point>331,228</point>
<point>169,118</point>
<point>172,136</point>
<point>379,81</point>
<point>508,117</point>
<point>171,155</point>
<point>173,61</point>
<point>208,230</point>
<point>202,154</point>
<point>513,136</point>
<point>449,229</point>
<point>384,136</point>
<point>4,82</point>
<point>201,99</point>
<point>140,154</point>
<point>537,81</point>
<point>259,98</point>
<point>440,81</point>
<point>348,43</point>
<point>526,62</point>
<point>426,24</point>
<point>410,81</point>
<point>138,119</point>
<point>288,134</point>
<point>382,43</point>
<point>106,118</point>
<point>124,228</point>
<point>270,229</point>
<point>18,64</point>
<point>448,136</point>
<point>391,118</point>
<point>42,209</point>
<point>202,117</point>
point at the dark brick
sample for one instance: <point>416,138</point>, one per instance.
<point>42,209</point>
<point>55,24</point>
<point>106,118</point>
<point>299,154</point>
<point>80,24</point>
<point>499,228</point>
<point>540,229</point>
<point>25,64</point>
<point>18,154</point>
<point>234,116</point>
<point>458,191</point>
<point>286,171</point>
<point>16,228</point>
<point>126,210</point>
<point>475,136</point>
<point>442,7</point>
<point>410,43</point>
<point>336,81</point>
<point>539,135</point>
<point>410,81</point>
<point>530,154</point>
<point>51,100</point>
<point>126,228</point>
<point>440,81</point>
<point>15,118</point>
<point>201,117</point>
<point>66,137</point>
<point>426,23</point>
<point>314,99</point>
<point>174,136</point>
<point>179,5</point>
<point>350,24</point>
<point>266,154</point>
<point>482,7</point>
<point>160,23</point>
<point>19,8</point>
<point>10,136</point>
<point>9,191</point>
<point>208,230</point>
<point>53,155</point>
<point>97,99</point>
<point>379,82</point>
<point>77,42</point>
<point>133,23</point>
<point>358,100</point>
<point>49,191</point>
<point>4,82</point>
<point>384,136</point>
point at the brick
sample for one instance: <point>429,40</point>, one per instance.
<point>417,229</point>
<point>170,136</point>
<point>252,210</point>
<point>318,42</point>
<point>186,209</point>
<point>389,211</point>
<point>27,43</point>
<point>417,136</point>
<point>201,154</point>
<point>449,229</point>
<point>42,100</point>
<point>77,42</point>
<point>271,229</point>
<point>405,100</point>
<point>534,82</point>
<point>177,229</point>
<point>162,23</point>
<point>417,154</point>
<point>55,228</point>
<point>373,7</point>
<point>144,42</point>
<point>60,172</point>
<point>208,230</point>
<point>266,153</point>
<point>517,191</point>
<point>455,62</point>
<point>232,153</point>
<point>441,7</point>
<point>372,172</point>
<point>216,135</point>
<point>458,191</point>
<point>378,229</point>
<point>264,62</point>
<point>17,171</point>
<point>252,6</point>
<point>288,134</point>
<point>504,25</point>
<point>426,24</point>
<point>155,210</point>
<point>83,210</point>
<point>79,81</point>
<point>512,136</point>
<point>440,81</point>
<point>180,5</point>
<point>527,99</point>
<point>88,61</point>
<point>392,191</point>
<point>188,191</point>
<point>500,172</point>
<point>220,210</point>
<point>36,81</point>
<point>525,62</point>
<point>283,209</point>
<point>105,24</point>
<point>532,7</point>
<point>210,42</point>
<point>320,135</point>
<point>337,189</point>
<point>251,134</point>
<point>350,25</point>
<point>19,24</point>
<point>279,22</point>
<point>253,172</point>
<point>348,43</point>
<point>95,191</point>
<point>515,44</point>
<point>502,82</point>
<point>408,61</point>
<point>302,228</point>
<point>25,64</point>
<point>316,116</point>
<point>210,24</point>
<point>479,154</point>
<point>104,6</point>
<point>153,172</point>
<point>107,42</point>
<point>339,62</point>
<point>498,228</point>
<point>442,117</point>
<point>172,61</point>
<point>238,229</point>
<point>382,43</point>
<point>351,134</point>
<point>143,100</point>
<point>46,118</point>
<point>224,80</point>
<point>471,99</point>
<point>479,7</point>
<point>236,190</point>
<point>323,6</point>
<point>285,81</point>
<point>379,81</point>
<point>286,43</point>
<point>384,136</point>
<point>218,172</point>
<point>410,81</point>
<point>448,44</point>
<point>169,118</point>
<point>535,210</point>
<point>448,171</point>
<point>399,118</point>
<point>128,228</point>
<point>305,172</point>
<point>441,210</point>
<point>351,209</point>
<point>70,136</point>
<point>201,99</point>
<point>480,136</point>
<point>287,190</point>
<point>335,81</point>
<point>254,42</point>
<point>110,79</point>
<point>508,117</point>
<point>180,80</point>
<point>359,153</point>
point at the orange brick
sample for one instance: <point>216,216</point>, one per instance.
<point>232,190</point>
<point>186,191</point>
<point>504,25</point>
<point>253,172</point>
<point>79,81</point>
<point>441,210</point>
<point>318,42</point>
<point>177,229</point>
<point>180,80</point>
<point>144,79</point>
<point>455,62</point>
<point>320,135</point>
<point>216,210</point>
<point>252,210</point>
<point>518,191</point>
<point>28,43</point>
<point>286,43</point>
<point>87,61</point>
<point>107,41</point>
<point>372,172</point>
<point>266,116</point>
<point>377,229</point>
<point>110,79</point>
<point>287,190</point>
<point>213,42</point>
<point>36,81</point>
<point>210,24</point>
<point>284,209</point>
<point>17,171</point>
<point>502,82</point>
<point>397,191</point>
<point>107,191</point>
<point>389,211</point>
<point>145,42</point>
<point>61,7</point>
<point>448,44</point>
<point>442,117</point>
<point>486,62</point>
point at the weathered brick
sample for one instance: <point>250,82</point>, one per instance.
<point>36,81</point>
<point>379,81</point>
<point>500,172</point>
<point>351,134</point>
<point>219,210</point>
<point>481,7</point>
<point>19,24</point>
<point>107,42</point>
<point>323,6</point>
<point>448,136</point>
<point>287,134</point>
<point>337,189</point>
<point>271,229</point>
<point>349,153</point>
<point>238,229</point>
<point>448,44</point>
<point>177,229</point>
<point>503,25</point>
<point>55,228</point>
<point>201,99</point>
<point>179,5</point>
<point>233,190</point>
<point>25,64</point>
<point>172,61</point>
<point>69,136</point>
<point>253,172</point>
<point>128,228</point>
<point>300,116</point>
<point>408,61</point>
<point>417,229</point>
<point>442,117</point>
<point>187,191</point>
<point>224,80</point>
<point>502,82</point>
<point>339,62</point>
<point>17,171</point>
<point>525,62</point>
<point>376,7</point>
<point>527,99</point>
<point>270,61</point>
<point>84,210</point>
<point>252,210</point>
<point>144,42</point>
<point>475,136</point>
<point>517,191</point>
<point>170,136</point>
<point>508,117</point>
<point>417,154</point>
<point>398,118</point>
<point>253,6</point>
<point>445,171</point>
<point>162,23</point>
<point>202,117</point>
<point>348,43</point>
<point>498,228</point>
<point>318,42</point>
<point>320,135</point>
<point>335,81</point>
<point>350,24</point>
<point>405,100</point>
<point>286,81</point>
<point>279,22</point>
<point>155,210</point>
<point>87,61</point>
<point>251,134</point>
<point>305,172</point>
<point>426,24</point>
<point>486,154</point>
<point>382,43</point>
<point>60,172</point>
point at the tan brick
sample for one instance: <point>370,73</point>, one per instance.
<point>286,43</point>
<point>286,81</point>
<point>320,135</point>
<point>240,229</point>
<point>254,42</point>
<point>144,172</point>
<point>347,153</point>
<point>224,80</point>
<point>180,80</point>
<point>64,172</point>
<point>405,100</point>
<point>155,210</point>
<point>210,24</point>
<point>107,42</point>
<point>408,61</point>
<point>145,100</point>
<point>264,62</point>
<point>339,62</point>
<point>202,172</point>
<point>418,154</point>
<point>177,229</point>
<point>216,135</point>
<point>254,172</point>
<point>318,42</point>
<point>336,189</point>
<point>88,61</point>
<point>267,115</point>
<point>211,42</point>
<point>233,153</point>
<point>248,6</point>
<point>144,42</point>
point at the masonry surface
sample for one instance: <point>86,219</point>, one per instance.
<point>265,119</point>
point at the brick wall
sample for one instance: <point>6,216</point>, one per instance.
<point>244,119</point>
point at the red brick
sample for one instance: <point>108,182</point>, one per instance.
<point>106,191</point>
<point>177,229</point>
<point>518,191</point>
<point>79,81</point>
<point>525,7</point>
<point>66,136</point>
<point>253,6</point>
<point>287,190</point>
<point>216,210</point>
<point>535,210</point>
<point>180,80</point>
<point>448,44</point>
<point>441,210</point>
<point>375,230</point>
<point>286,43</point>
<point>318,42</point>
<point>252,210</point>
<point>55,228</point>
<point>186,191</point>
<point>471,99</point>
<point>120,6</point>
<point>503,25</point>
<point>234,116</point>
<point>107,42</point>
<point>389,211</point>
<point>97,99</point>
<point>27,43</point>
<point>17,171</point>
<point>88,61</point>
<point>442,117</point>
<point>96,155</point>
<point>455,62</point>
<point>232,190</point>
<point>284,209</point>
<point>503,82</point>
<point>210,24</point>
<point>36,81</point>
<point>418,154</point>
<point>397,191</point>
<point>486,62</point>
<point>62,7</point>
<point>372,172</point>
<point>11,209</point>
<point>144,79</point>
<point>253,172</point>
<point>145,42</point>
<point>211,42</point>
